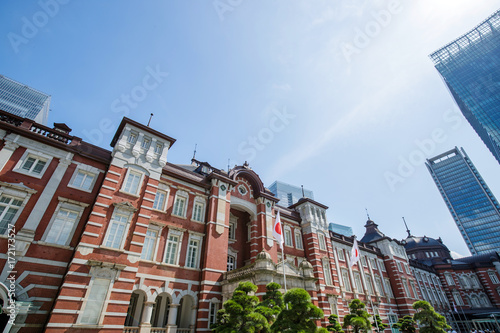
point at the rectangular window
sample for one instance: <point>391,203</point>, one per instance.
<point>231,263</point>
<point>388,288</point>
<point>357,281</point>
<point>288,237</point>
<point>179,206</point>
<point>149,247</point>
<point>232,230</point>
<point>212,315</point>
<point>9,206</point>
<point>407,268</point>
<point>192,255</point>
<point>322,243</point>
<point>379,286</point>
<point>341,254</point>
<point>345,279</point>
<point>95,302</point>
<point>493,277</point>
<point>34,165</point>
<point>413,289</point>
<point>449,279</point>
<point>132,138</point>
<point>400,268</point>
<point>117,230</point>
<point>198,211</point>
<point>132,182</point>
<point>172,249</point>
<point>363,261</point>
<point>405,285</point>
<point>159,203</point>
<point>381,265</point>
<point>83,180</point>
<point>373,263</point>
<point>298,240</point>
<point>62,226</point>
<point>369,284</point>
<point>145,143</point>
<point>327,273</point>
<point>158,148</point>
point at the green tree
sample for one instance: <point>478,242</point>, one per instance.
<point>334,324</point>
<point>239,313</point>
<point>299,314</point>
<point>272,303</point>
<point>428,319</point>
<point>358,318</point>
<point>378,325</point>
<point>405,324</point>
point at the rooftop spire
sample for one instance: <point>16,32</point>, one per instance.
<point>407,230</point>
<point>367,215</point>
<point>194,153</point>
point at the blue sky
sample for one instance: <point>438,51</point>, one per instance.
<point>338,96</point>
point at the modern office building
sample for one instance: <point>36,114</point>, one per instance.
<point>470,67</point>
<point>470,201</point>
<point>340,229</point>
<point>23,101</point>
<point>289,194</point>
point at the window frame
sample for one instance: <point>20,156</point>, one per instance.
<point>198,201</point>
<point>163,206</point>
<point>299,244</point>
<point>173,233</point>
<point>493,277</point>
<point>154,251</point>
<point>180,195</point>
<point>19,192</point>
<point>68,205</point>
<point>321,241</point>
<point>124,210</point>
<point>38,156</point>
<point>87,170</point>
<point>327,271</point>
<point>346,281</point>
<point>287,239</point>
<point>196,237</point>
<point>341,254</point>
<point>130,172</point>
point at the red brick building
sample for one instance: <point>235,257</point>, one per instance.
<point>124,241</point>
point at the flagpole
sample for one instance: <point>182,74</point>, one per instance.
<point>283,260</point>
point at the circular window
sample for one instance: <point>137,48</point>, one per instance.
<point>242,189</point>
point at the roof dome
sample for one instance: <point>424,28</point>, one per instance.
<point>413,242</point>
<point>372,233</point>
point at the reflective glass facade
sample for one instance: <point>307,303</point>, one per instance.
<point>470,201</point>
<point>470,67</point>
<point>288,194</point>
<point>23,101</point>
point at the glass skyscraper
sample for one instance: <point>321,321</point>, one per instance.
<point>23,101</point>
<point>470,67</point>
<point>470,201</point>
<point>289,194</point>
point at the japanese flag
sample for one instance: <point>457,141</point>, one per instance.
<point>354,253</point>
<point>277,232</point>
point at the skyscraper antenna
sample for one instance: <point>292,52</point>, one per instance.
<point>194,153</point>
<point>407,230</point>
<point>303,195</point>
<point>151,116</point>
<point>367,215</point>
